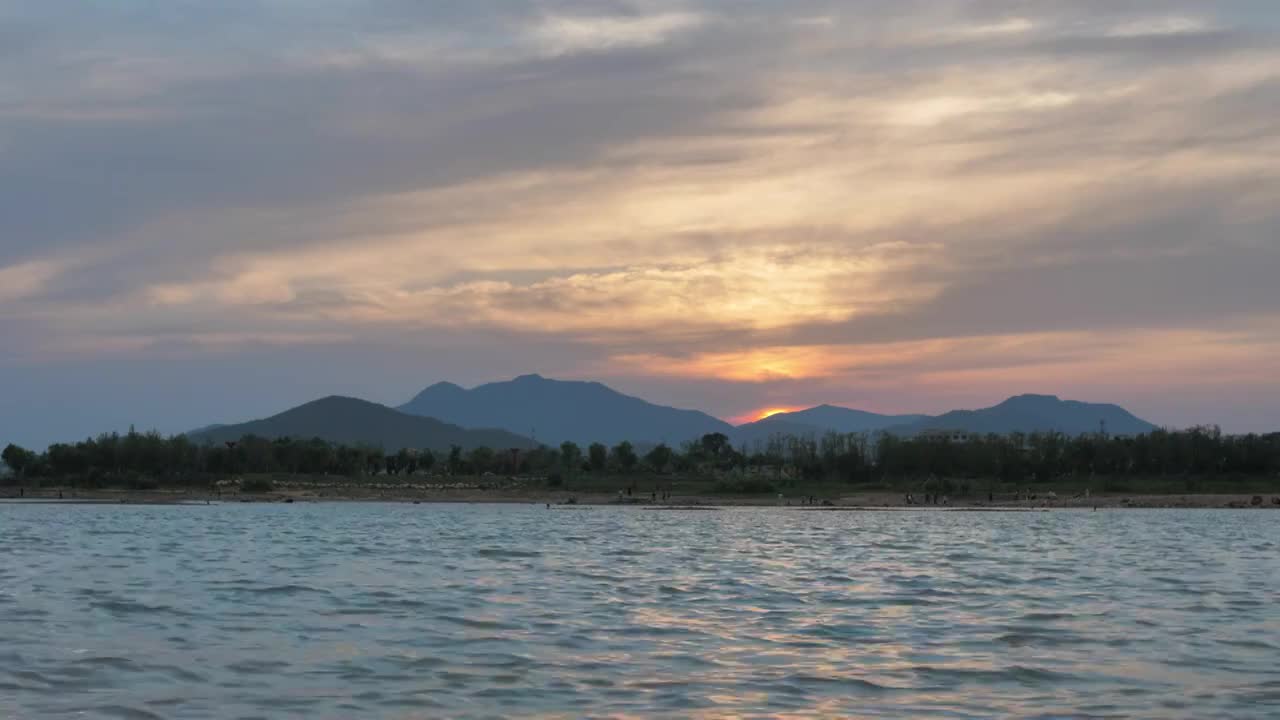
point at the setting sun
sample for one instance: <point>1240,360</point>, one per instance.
<point>757,415</point>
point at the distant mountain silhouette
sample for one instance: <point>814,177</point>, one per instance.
<point>1030,413</point>
<point>511,412</point>
<point>817,421</point>
<point>760,431</point>
<point>559,410</point>
<point>352,421</point>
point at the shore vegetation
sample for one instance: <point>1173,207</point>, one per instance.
<point>1199,460</point>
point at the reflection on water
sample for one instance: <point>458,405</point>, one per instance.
<point>405,611</point>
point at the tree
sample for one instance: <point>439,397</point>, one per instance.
<point>571,456</point>
<point>455,459</point>
<point>405,462</point>
<point>541,459</point>
<point>625,456</point>
<point>598,456</point>
<point>658,458</point>
<point>18,459</point>
<point>426,459</point>
<point>715,443</point>
<point>67,460</point>
<point>481,460</point>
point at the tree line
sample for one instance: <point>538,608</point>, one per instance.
<point>134,457</point>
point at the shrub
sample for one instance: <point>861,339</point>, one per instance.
<point>135,481</point>
<point>1116,484</point>
<point>257,485</point>
<point>93,479</point>
<point>746,487</point>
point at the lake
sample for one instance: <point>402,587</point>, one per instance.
<point>350,610</point>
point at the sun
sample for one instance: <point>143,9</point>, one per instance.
<point>758,415</point>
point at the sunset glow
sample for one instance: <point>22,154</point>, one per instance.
<point>774,411</point>
<point>760,414</point>
<point>905,207</point>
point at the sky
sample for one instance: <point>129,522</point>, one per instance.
<point>211,212</point>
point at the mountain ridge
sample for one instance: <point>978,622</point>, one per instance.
<point>347,420</point>
<point>818,420</point>
<point>554,411</point>
<point>1031,412</point>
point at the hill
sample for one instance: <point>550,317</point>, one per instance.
<point>352,421</point>
<point>750,434</point>
<point>557,410</point>
<point>817,421</point>
<point>1030,413</point>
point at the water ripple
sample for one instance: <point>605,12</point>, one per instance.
<point>353,610</point>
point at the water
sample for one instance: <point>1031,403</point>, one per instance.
<point>412,611</point>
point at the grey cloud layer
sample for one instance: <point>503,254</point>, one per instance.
<point>163,147</point>
<point>280,132</point>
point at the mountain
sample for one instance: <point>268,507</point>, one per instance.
<point>1029,413</point>
<point>587,412</point>
<point>352,421</point>
<point>760,431</point>
<point>557,410</point>
<point>819,420</point>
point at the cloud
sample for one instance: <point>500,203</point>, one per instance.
<point>1161,25</point>
<point>25,279</point>
<point>977,361</point>
<point>752,192</point>
<point>565,34</point>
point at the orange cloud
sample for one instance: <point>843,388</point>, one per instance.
<point>760,365</point>
<point>1042,361</point>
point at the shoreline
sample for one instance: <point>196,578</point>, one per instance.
<point>865,501</point>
